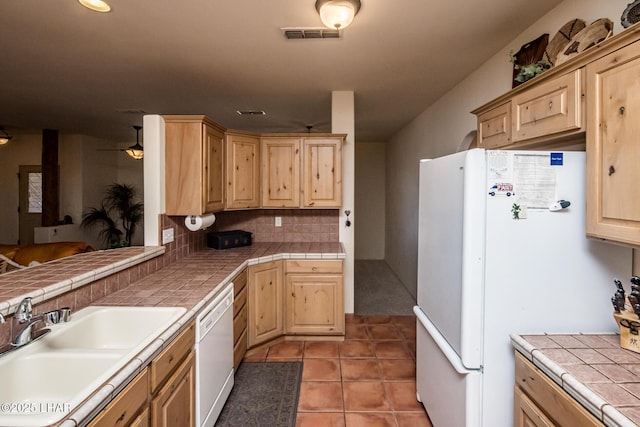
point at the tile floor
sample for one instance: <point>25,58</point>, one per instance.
<point>366,380</point>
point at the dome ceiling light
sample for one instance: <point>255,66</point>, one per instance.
<point>96,5</point>
<point>337,14</point>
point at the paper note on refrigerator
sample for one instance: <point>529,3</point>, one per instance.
<point>534,180</point>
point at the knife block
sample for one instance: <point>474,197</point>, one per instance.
<point>629,325</point>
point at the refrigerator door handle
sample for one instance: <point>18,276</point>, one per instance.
<point>444,346</point>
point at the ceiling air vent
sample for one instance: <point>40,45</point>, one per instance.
<point>310,33</point>
<point>251,112</point>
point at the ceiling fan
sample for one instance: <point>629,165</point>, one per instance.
<point>135,151</point>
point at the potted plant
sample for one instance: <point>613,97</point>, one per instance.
<point>119,200</point>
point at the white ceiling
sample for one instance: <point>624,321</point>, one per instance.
<point>65,67</point>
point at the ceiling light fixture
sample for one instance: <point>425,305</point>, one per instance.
<point>136,151</point>
<point>96,5</point>
<point>337,14</point>
<point>4,136</point>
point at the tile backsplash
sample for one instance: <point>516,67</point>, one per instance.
<point>298,225</point>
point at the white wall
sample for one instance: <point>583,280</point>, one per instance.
<point>440,129</point>
<point>370,200</point>
<point>84,172</point>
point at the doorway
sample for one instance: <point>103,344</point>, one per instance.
<point>29,202</point>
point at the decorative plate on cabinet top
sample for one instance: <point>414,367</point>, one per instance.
<point>631,14</point>
<point>599,30</point>
<point>562,37</point>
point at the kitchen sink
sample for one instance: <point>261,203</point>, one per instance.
<point>109,328</point>
<point>47,379</point>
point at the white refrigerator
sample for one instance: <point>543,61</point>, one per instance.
<point>501,250</point>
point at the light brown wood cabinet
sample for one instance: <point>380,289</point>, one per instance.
<point>242,170</point>
<point>265,302</point>
<point>613,147</point>
<point>538,401</point>
<point>494,127</point>
<point>174,403</point>
<point>550,109</point>
<point>173,383</point>
<point>122,410</point>
<point>194,169</point>
<point>239,318</point>
<point>302,172</point>
<point>162,395</point>
<point>281,172</point>
<point>314,297</point>
<point>322,173</point>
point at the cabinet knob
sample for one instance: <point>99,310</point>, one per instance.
<point>612,170</point>
<point>622,111</point>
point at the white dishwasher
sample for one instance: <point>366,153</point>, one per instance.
<point>214,357</point>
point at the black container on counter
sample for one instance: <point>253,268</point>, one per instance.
<point>228,239</point>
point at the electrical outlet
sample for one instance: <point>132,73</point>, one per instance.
<point>167,236</point>
<point>278,221</point>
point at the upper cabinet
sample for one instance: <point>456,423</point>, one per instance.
<point>552,110</point>
<point>210,169</point>
<point>595,96</point>
<point>281,172</point>
<point>302,172</point>
<point>322,172</point>
<point>242,171</point>
<point>613,148</point>
<point>194,173</point>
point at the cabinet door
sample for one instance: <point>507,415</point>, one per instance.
<point>265,302</point>
<point>121,411</point>
<point>183,168</point>
<point>549,108</point>
<point>494,127</point>
<point>613,148</point>
<point>322,173</point>
<point>213,179</point>
<point>243,172</point>
<point>280,173</point>
<point>314,304</point>
<point>174,405</point>
<point>526,413</point>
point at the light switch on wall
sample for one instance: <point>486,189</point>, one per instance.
<point>278,221</point>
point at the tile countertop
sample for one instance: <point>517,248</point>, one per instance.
<point>191,283</point>
<point>591,368</point>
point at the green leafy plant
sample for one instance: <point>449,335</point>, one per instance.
<point>528,72</point>
<point>119,200</point>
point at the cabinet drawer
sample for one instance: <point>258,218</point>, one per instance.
<point>239,323</point>
<point>239,301</point>
<point>314,266</point>
<point>549,108</point>
<point>494,127</point>
<point>171,357</point>
<point>547,395</point>
<point>239,283</point>
<point>124,407</point>
<point>239,350</point>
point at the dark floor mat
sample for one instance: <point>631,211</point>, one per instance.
<point>264,394</point>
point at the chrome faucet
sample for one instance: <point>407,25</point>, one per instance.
<point>23,321</point>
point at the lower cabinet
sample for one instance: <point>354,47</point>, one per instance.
<point>314,298</point>
<point>162,395</point>
<point>538,401</point>
<point>294,297</point>
<point>174,404</point>
<point>124,408</point>
<point>239,318</point>
<point>265,316</point>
